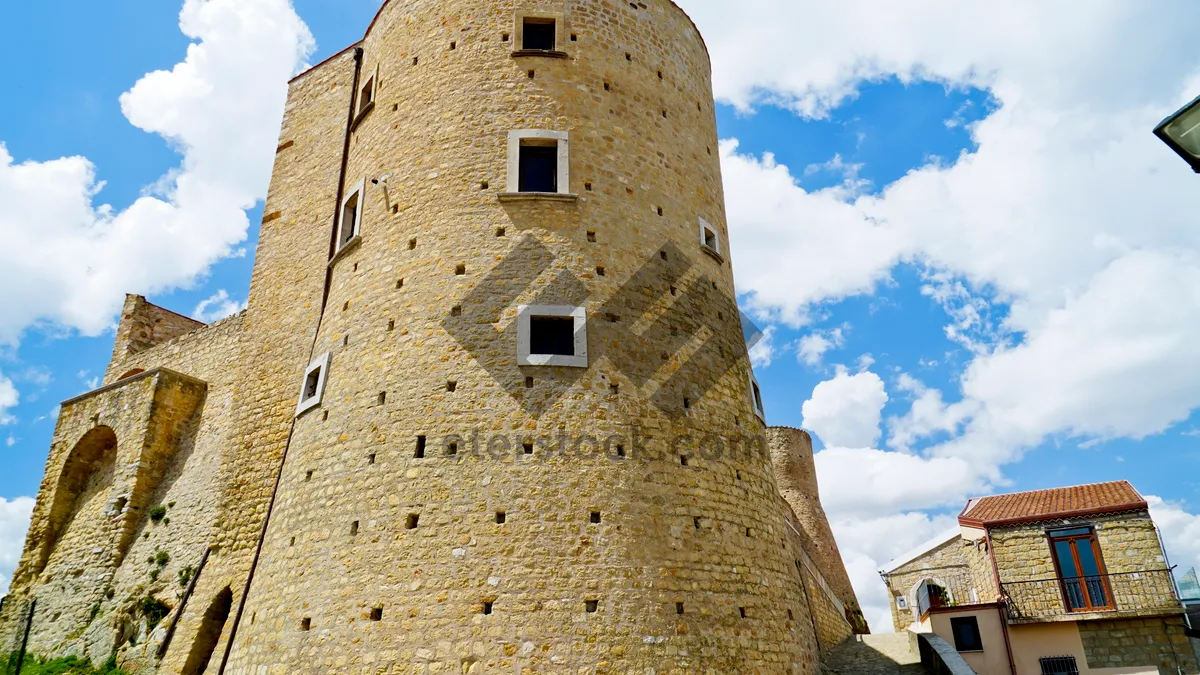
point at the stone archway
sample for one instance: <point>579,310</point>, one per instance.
<point>86,477</point>
<point>209,634</point>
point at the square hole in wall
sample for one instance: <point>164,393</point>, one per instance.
<point>371,458</point>
<point>453,46</point>
<point>742,612</point>
<point>420,452</point>
<point>395,209</point>
<point>354,529</point>
<point>410,523</point>
<point>587,186</point>
<point>607,86</point>
<point>660,209</point>
<point>591,606</point>
<point>412,244</point>
<point>532,74</point>
<point>595,518</point>
<point>749,532</point>
<point>487,606</point>
<point>451,448</point>
<point>614,389</point>
<point>591,236</point>
<point>460,269</point>
<point>738,473</point>
<point>346,340</point>
<point>501,517</point>
<point>504,37</point>
<point>574,37</point>
<point>451,385</point>
<point>306,624</point>
<point>662,254</point>
<point>399,284</point>
<point>324,415</point>
<point>382,397</point>
<point>600,271</point>
<point>527,446</point>
<point>679,608</point>
<point>683,460</point>
<point>456,310</point>
<point>620,451</point>
<point>696,522</point>
<point>391,324</point>
<point>499,231</point>
<point>377,614</point>
<point>790,617</point>
<point>416,60</point>
<point>293,542</point>
<point>308,476</point>
<point>529,383</point>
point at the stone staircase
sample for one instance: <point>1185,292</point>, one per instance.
<point>883,654</point>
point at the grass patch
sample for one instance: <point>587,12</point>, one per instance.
<point>70,665</point>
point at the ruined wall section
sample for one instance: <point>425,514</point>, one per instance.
<point>143,326</point>
<point>796,471</point>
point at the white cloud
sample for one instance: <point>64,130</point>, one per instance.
<point>68,261</point>
<point>14,521</point>
<point>1180,532</point>
<point>9,397</point>
<point>811,348</point>
<point>217,307</point>
<point>846,410</point>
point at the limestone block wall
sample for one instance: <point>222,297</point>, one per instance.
<point>795,469</point>
<point>112,452</point>
<point>959,565</point>
<point>404,557</point>
<point>143,326</point>
<point>1159,642</point>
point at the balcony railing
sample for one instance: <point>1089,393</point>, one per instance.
<point>1149,591</point>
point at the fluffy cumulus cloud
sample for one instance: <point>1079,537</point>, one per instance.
<point>14,520</point>
<point>8,399</point>
<point>68,260</point>
<point>1063,246</point>
<point>846,410</point>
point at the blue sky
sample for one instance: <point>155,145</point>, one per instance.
<point>972,256</point>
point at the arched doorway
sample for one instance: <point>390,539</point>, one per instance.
<point>83,487</point>
<point>209,634</point>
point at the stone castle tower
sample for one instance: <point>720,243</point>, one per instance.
<point>490,408</point>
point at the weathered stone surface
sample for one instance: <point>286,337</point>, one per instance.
<point>374,560</point>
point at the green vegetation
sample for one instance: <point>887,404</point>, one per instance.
<point>185,575</point>
<point>153,610</point>
<point>70,665</point>
<point>157,513</point>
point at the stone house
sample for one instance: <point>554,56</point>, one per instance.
<point>1071,580</point>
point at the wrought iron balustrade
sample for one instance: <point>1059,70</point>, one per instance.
<point>1152,591</point>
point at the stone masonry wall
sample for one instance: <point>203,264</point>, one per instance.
<point>792,458</point>
<point>1138,642</point>
<point>619,518</point>
<point>404,556</point>
<point>961,566</point>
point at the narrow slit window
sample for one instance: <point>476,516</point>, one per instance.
<point>420,451</point>
<point>312,389</point>
<point>756,398</point>
<point>539,34</point>
<point>351,215</point>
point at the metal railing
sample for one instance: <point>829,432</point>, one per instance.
<point>1145,590</point>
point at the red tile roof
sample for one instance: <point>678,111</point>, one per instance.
<point>1078,500</point>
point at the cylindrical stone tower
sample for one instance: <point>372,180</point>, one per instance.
<point>795,469</point>
<point>530,441</point>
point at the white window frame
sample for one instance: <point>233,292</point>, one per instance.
<point>562,140</point>
<point>361,105</point>
<point>321,364</point>
<point>360,188</point>
<point>759,410</point>
<point>705,228</point>
<point>525,314</point>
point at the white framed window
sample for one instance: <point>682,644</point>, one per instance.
<point>756,400</point>
<point>366,94</point>
<point>901,603</point>
<point>539,162</point>
<point>710,238</point>
<point>550,335</point>
<point>350,217</point>
<point>312,388</point>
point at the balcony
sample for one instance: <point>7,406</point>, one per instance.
<point>1129,594</point>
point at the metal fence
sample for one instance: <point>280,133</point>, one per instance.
<point>1149,590</point>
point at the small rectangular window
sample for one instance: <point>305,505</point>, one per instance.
<point>539,166</point>
<point>756,399</point>
<point>1059,665</point>
<point>552,336</point>
<point>539,34</point>
<point>312,389</point>
<point>350,218</point>
<point>966,634</point>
